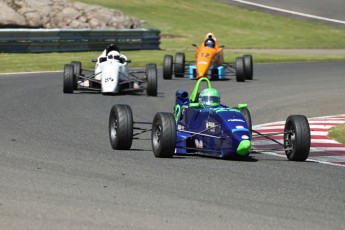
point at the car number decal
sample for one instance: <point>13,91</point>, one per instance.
<point>108,79</point>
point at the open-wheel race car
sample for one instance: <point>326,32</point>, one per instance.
<point>110,76</point>
<point>201,125</point>
<point>209,63</point>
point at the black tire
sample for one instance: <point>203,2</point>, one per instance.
<point>240,69</point>
<point>121,127</point>
<point>248,118</point>
<point>163,136</point>
<point>68,78</point>
<point>77,72</point>
<point>76,67</point>
<point>151,77</point>
<point>167,67</point>
<point>248,66</point>
<point>179,64</point>
<point>297,138</point>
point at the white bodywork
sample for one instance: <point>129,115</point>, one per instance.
<point>111,72</point>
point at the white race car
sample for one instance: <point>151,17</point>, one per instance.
<point>111,75</point>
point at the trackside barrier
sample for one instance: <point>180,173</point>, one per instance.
<point>67,40</point>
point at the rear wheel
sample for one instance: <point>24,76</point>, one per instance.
<point>76,67</point>
<point>121,127</point>
<point>297,138</point>
<point>151,77</point>
<point>179,64</point>
<point>76,71</point>
<point>163,136</point>
<point>167,67</point>
<point>68,78</point>
<point>240,69</point>
<point>248,66</point>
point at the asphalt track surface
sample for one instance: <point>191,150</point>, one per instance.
<point>331,9</point>
<point>58,171</point>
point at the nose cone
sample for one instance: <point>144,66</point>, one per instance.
<point>202,68</point>
<point>243,148</point>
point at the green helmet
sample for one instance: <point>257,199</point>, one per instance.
<point>209,97</point>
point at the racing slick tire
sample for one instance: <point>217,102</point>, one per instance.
<point>179,64</point>
<point>68,78</point>
<point>248,66</point>
<point>76,67</point>
<point>167,67</point>
<point>121,127</point>
<point>240,75</point>
<point>163,135</point>
<point>76,71</point>
<point>297,138</point>
<point>151,77</point>
<point>245,112</point>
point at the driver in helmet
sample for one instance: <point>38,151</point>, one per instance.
<point>112,47</point>
<point>110,52</point>
<point>210,43</point>
<point>114,55</point>
<point>210,40</point>
<point>209,98</point>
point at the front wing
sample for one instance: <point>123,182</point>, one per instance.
<point>87,81</point>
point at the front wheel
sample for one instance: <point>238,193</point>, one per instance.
<point>240,77</point>
<point>151,77</point>
<point>297,138</point>
<point>167,67</point>
<point>121,127</point>
<point>163,136</point>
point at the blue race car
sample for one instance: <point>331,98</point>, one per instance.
<point>201,125</point>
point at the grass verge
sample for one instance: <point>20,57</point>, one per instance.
<point>55,61</point>
<point>337,133</point>
<point>186,22</point>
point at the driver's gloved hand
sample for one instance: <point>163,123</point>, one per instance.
<point>122,60</point>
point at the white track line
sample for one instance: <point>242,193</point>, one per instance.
<point>290,12</point>
<point>326,122</point>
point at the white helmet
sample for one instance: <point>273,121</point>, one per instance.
<point>114,55</point>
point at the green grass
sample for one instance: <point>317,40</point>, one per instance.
<point>338,133</point>
<point>55,61</point>
<point>235,27</point>
<point>185,22</point>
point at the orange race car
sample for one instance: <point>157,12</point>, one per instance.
<point>209,63</point>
